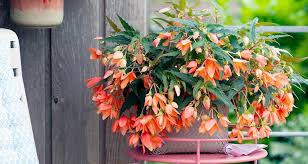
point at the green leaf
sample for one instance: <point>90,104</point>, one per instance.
<point>158,23</point>
<point>220,55</point>
<point>182,4</point>
<point>253,31</point>
<point>170,54</point>
<point>130,100</point>
<point>220,95</point>
<point>236,86</point>
<point>146,44</point>
<point>185,22</point>
<point>266,24</point>
<point>119,39</point>
<point>165,81</point>
<point>125,25</point>
<point>199,43</point>
<point>291,59</point>
<point>185,77</point>
<point>197,87</point>
<point>298,79</point>
<point>113,25</point>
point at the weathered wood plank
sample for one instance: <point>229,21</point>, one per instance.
<point>34,45</point>
<point>75,125</point>
<point>35,48</point>
<point>134,11</point>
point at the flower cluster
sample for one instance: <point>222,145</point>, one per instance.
<point>155,85</point>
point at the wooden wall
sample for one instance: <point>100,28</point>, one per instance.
<point>55,64</point>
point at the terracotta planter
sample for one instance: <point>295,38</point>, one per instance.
<point>37,13</point>
<point>190,147</point>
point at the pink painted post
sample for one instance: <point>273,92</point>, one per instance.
<point>255,142</point>
<point>198,151</point>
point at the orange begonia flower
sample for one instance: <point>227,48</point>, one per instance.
<point>167,36</point>
<point>240,65</point>
<point>246,54</point>
<point>123,125</point>
<point>128,78</point>
<point>245,119</point>
<point>133,139</point>
<point>93,81</point>
<point>281,80</point>
<point>108,74</point>
<point>213,38</point>
<point>252,132</point>
<point>224,121</point>
<point>270,117</point>
<point>151,142</point>
<point>95,54</point>
<point>184,46</point>
<point>158,99</point>
<point>237,133</point>
<point>264,131</point>
<point>209,126</point>
<point>227,72</point>
<point>147,81</point>
<point>268,79</point>
<point>147,124</point>
<point>212,67</point>
<point>188,117</point>
<point>262,61</point>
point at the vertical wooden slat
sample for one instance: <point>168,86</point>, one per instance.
<point>35,54</point>
<point>75,125</point>
<point>134,11</point>
<point>34,45</point>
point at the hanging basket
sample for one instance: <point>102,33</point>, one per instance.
<point>37,13</point>
<point>193,133</point>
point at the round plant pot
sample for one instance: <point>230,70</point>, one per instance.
<point>37,13</point>
<point>193,133</point>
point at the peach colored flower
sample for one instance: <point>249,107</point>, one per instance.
<point>213,38</point>
<point>209,126</point>
<point>147,124</point>
<point>262,61</point>
<point>93,81</point>
<point>227,72</point>
<point>128,78</point>
<point>158,99</point>
<point>246,54</point>
<point>184,46</point>
<point>147,81</point>
<point>252,132</point>
<point>270,117</point>
<point>237,133</point>
<point>95,54</point>
<point>224,121</point>
<point>123,125</point>
<point>240,65</point>
<point>245,119</point>
<point>212,67</point>
<point>265,131</point>
<point>151,142</point>
<point>133,140</point>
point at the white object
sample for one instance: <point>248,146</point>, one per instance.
<point>17,144</point>
<point>243,149</point>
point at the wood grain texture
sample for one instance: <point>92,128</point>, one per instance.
<point>134,11</point>
<point>75,125</point>
<point>34,46</point>
<point>35,54</point>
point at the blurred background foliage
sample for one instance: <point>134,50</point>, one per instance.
<point>281,12</point>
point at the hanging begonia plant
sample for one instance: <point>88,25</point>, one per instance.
<point>154,84</point>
